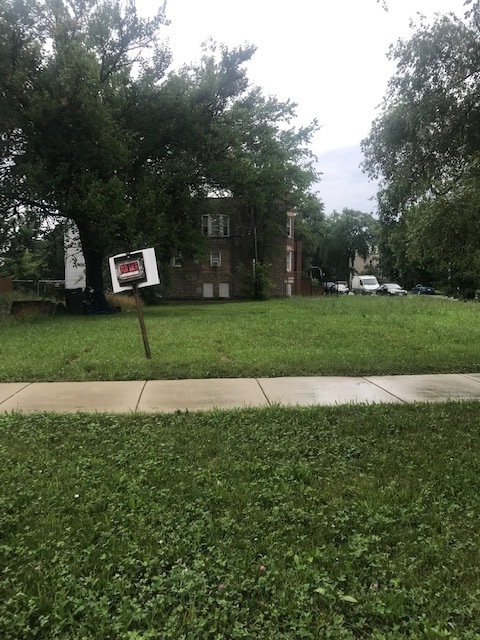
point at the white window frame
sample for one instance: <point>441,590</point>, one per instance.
<point>206,225</point>
<point>289,261</point>
<point>216,261</point>
<point>216,226</point>
<point>289,227</point>
<point>225,226</point>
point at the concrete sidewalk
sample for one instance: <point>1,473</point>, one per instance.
<point>228,393</point>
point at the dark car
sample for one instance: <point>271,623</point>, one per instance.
<point>424,290</point>
<point>390,289</point>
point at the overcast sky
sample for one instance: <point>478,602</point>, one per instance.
<point>327,56</point>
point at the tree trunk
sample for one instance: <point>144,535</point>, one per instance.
<point>93,260</point>
<point>93,268</point>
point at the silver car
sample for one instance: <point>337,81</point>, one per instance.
<point>390,289</point>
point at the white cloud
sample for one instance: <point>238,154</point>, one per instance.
<point>343,185</point>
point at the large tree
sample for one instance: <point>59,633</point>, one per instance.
<point>267,163</point>
<point>68,148</point>
<point>424,147</point>
<point>94,130</point>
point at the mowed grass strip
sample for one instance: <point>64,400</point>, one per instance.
<point>278,523</point>
<point>347,335</point>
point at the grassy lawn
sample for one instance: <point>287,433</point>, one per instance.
<point>303,336</point>
<point>279,523</point>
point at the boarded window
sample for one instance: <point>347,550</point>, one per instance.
<point>208,290</point>
<point>224,290</point>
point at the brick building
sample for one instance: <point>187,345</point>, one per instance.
<point>233,244</point>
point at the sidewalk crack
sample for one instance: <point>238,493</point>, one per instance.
<point>469,376</point>
<point>28,384</point>
<point>385,390</point>
<point>264,394</point>
<point>141,394</point>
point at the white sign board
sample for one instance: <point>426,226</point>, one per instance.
<point>139,267</point>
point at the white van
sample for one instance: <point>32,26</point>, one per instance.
<point>364,284</point>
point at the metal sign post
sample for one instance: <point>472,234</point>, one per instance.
<point>143,329</point>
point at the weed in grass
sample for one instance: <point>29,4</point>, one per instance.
<point>122,300</point>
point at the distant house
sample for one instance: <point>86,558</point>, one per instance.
<point>232,248</point>
<point>366,265</point>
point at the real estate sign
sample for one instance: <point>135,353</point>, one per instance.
<point>133,270</point>
<point>137,268</point>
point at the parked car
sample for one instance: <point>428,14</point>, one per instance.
<point>341,287</point>
<point>336,287</point>
<point>422,289</point>
<point>391,289</point>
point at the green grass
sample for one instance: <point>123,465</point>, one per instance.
<point>269,524</point>
<point>301,336</point>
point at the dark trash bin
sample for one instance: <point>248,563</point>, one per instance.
<point>74,301</point>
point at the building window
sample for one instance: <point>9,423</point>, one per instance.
<point>289,227</point>
<point>206,225</point>
<point>289,260</point>
<point>177,260</point>
<point>217,226</point>
<point>224,226</point>
<point>215,259</point>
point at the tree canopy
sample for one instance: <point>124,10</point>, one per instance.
<point>95,129</point>
<point>424,147</point>
<point>348,234</point>
<point>311,229</point>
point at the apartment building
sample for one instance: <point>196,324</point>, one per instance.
<point>234,242</point>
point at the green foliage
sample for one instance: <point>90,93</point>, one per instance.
<point>278,523</point>
<point>25,268</point>
<point>424,147</point>
<point>6,300</point>
<point>31,251</point>
<point>95,131</point>
<point>348,335</point>
<point>311,229</point>
<point>257,281</point>
<point>397,263</point>
<point>67,149</point>
<point>347,234</point>
<point>269,165</point>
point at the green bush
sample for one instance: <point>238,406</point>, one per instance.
<point>6,300</point>
<point>258,284</point>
